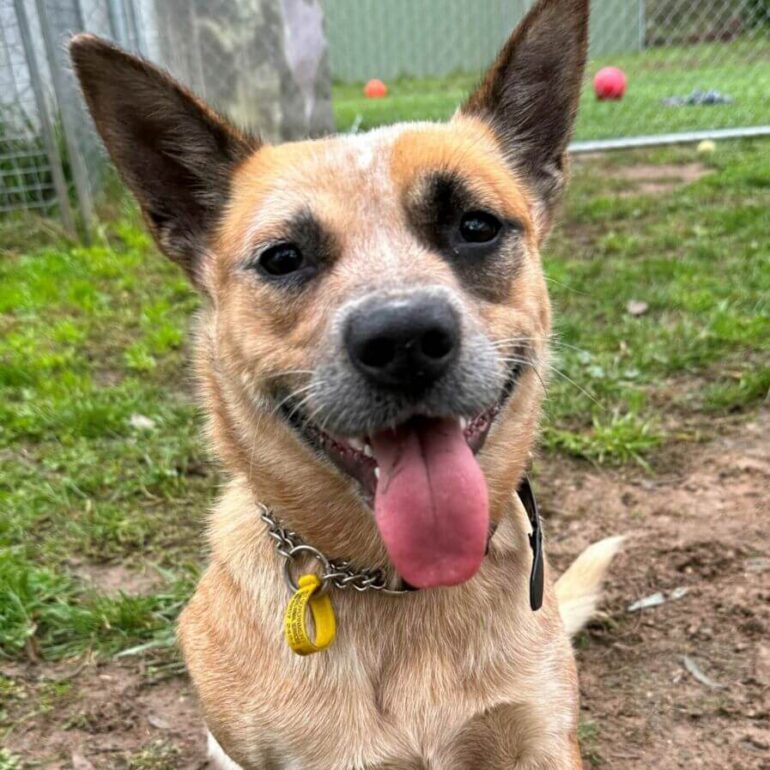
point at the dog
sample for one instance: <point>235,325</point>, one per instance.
<point>371,354</point>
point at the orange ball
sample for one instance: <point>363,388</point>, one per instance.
<point>375,89</point>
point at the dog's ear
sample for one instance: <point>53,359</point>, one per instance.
<point>175,154</point>
<point>530,94</point>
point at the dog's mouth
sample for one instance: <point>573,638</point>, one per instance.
<point>425,485</point>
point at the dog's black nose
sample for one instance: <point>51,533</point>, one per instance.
<point>403,343</point>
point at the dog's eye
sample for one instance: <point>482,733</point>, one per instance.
<point>479,227</point>
<point>282,259</point>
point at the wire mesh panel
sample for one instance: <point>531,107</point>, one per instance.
<point>30,170</point>
<point>261,62</point>
<point>414,38</point>
<point>59,20</point>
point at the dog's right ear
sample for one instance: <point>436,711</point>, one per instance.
<point>529,96</point>
<point>174,153</point>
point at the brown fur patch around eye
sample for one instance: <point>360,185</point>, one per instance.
<point>445,172</point>
<point>435,206</point>
<point>469,150</point>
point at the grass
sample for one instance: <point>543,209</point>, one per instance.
<point>588,735</point>
<point>740,69</point>
<point>698,258</point>
<point>158,755</point>
<point>9,761</point>
<point>91,338</point>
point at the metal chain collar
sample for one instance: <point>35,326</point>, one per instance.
<point>339,574</point>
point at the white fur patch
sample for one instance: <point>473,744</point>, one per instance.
<point>365,157</point>
<point>218,758</point>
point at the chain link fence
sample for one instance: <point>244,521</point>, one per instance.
<point>695,69</point>
<point>702,71</point>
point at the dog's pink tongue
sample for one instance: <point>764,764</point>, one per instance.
<point>431,504</point>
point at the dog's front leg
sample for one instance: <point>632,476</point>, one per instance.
<point>219,759</point>
<point>513,737</point>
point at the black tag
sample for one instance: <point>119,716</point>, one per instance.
<point>527,498</point>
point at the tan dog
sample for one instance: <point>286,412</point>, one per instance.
<point>371,351</point>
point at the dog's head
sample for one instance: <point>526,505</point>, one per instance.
<point>376,319</point>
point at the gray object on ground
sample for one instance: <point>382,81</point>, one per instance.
<point>698,99</point>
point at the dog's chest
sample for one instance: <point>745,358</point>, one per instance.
<point>360,716</point>
<point>394,701</point>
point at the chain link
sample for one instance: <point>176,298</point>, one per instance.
<point>340,574</point>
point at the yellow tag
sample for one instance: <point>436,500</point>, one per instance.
<point>295,619</point>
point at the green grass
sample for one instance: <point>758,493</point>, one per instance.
<point>698,257</point>
<point>90,337</point>
<point>157,755</point>
<point>740,69</point>
<point>9,761</point>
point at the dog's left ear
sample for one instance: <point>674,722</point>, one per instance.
<point>173,152</point>
<point>530,95</point>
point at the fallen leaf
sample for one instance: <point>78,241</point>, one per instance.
<point>698,674</point>
<point>158,722</point>
<point>656,599</point>
<point>649,601</point>
<point>140,422</point>
<point>636,307</point>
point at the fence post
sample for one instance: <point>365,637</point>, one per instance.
<point>136,31</point>
<point>117,25</point>
<point>77,165</point>
<point>46,126</point>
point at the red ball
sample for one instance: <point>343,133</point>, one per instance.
<point>375,89</point>
<point>610,83</point>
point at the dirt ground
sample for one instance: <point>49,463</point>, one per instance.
<point>685,684</point>
<point>701,527</point>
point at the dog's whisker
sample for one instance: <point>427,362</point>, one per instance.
<point>585,392</point>
<point>299,408</point>
<point>552,340</point>
<point>294,394</point>
<point>326,418</point>
<point>288,373</point>
<point>533,365</point>
<point>303,403</point>
<point>309,391</point>
<point>566,286</point>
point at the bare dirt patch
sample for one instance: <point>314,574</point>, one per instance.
<point>116,578</point>
<point>652,179</point>
<point>697,531</point>
<point>700,532</point>
<point>106,717</point>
